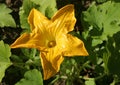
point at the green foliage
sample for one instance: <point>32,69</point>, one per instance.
<point>103,19</point>
<point>4,58</point>
<point>99,29</point>
<point>114,57</point>
<point>102,30</point>
<point>48,9</point>
<point>90,81</point>
<point>5,17</point>
<point>31,77</point>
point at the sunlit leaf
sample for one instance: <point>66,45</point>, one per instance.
<point>104,18</point>
<point>90,81</point>
<point>32,77</point>
<point>4,58</point>
<point>5,18</point>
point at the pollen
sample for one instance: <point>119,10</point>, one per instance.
<point>51,44</point>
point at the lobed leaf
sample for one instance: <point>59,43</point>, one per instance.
<point>5,17</point>
<point>32,77</point>
<point>90,81</point>
<point>4,58</point>
<point>104,19</point>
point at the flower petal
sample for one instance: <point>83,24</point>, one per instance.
<point>74,47</point>
<point>37,20</point>
<point>64,20</point>
<point>51,62</point>
<point>29,41</point>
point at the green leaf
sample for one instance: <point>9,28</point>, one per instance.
<point>106,57</point>
<point>30,53</point>
<point>32,77</point>
<point>48,9</point>
<point>5,18</point>
<point>90,81</point>
<point>104,18</point>
<point>4,58</point>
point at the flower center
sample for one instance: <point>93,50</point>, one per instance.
<point>51,44</point>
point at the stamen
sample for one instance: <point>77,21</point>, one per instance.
<point>51,44</point>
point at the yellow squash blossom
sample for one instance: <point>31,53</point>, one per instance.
<point>52,39</point>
